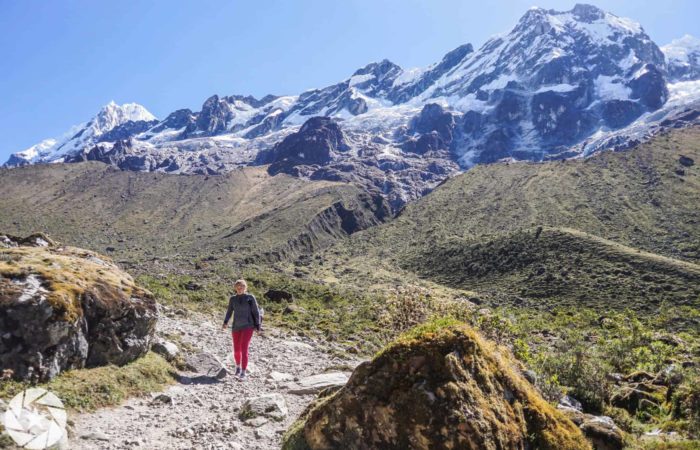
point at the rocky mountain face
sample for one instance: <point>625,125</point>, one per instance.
<point>559,84</point>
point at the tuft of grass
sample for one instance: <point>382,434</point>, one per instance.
<point>430,330</point>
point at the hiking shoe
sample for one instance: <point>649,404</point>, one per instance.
<point>238,371</point>
<point>242,375</point>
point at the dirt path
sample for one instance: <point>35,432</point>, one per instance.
<point>204,415</point>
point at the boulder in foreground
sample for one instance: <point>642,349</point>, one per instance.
<point>440,386</point>
<point>67,308</point>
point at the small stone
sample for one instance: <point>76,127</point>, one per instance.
<point>279,376</point>
<point>166,349</point>
<point>162,398</point>
<point>530,376</point>
<point>207,364</point>
<point>262,433</point>
<point>292,309</point>
<point>192,286</point>
<point>570,402</point>
<point>257,421</point>
<point>685,161</point>
<point>96,435</point>
<point>298,345</point>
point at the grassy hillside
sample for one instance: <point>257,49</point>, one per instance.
<point>141,217</point>
<point>644,198</point>
<point>559,267</point>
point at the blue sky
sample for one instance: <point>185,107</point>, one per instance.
<point>62,60</point>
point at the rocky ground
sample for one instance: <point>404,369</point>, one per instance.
<point>205,413</point>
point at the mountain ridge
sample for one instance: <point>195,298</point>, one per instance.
<point>558,85</point>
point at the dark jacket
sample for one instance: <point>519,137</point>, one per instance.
<point>245,312</point>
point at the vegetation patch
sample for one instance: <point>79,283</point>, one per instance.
<point>541,268</point>
<point>88,389</point>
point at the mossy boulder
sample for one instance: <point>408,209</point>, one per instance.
<point>440,386</point>
<point>65,308</point>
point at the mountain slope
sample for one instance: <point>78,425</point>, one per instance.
<point>614,231</point>
<point>644,198</point>
<point>559,267</point>
<point>245,214</point>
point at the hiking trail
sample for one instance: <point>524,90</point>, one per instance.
<point>198,413</point>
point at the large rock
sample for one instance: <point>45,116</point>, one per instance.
<point>439,387</point>
<point>603,433</point>
<point>275,295</point>
<point>66,308</point>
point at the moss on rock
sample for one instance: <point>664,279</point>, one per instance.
<point>439,386</point>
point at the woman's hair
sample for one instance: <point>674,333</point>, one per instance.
<point>242,282</point>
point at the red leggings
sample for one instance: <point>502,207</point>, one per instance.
<point>241,340</point>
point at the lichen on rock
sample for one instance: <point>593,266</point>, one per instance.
<point>440,386</point>
<point>64,308</point>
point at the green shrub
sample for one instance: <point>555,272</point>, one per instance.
<point>686,402</point>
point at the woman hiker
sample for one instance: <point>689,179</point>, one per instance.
<point>246,318</point>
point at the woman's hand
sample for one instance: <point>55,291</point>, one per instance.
<point>223,327</point>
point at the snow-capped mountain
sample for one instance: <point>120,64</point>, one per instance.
<point>559,84</point>
<point>683,58</point>
<point>111,123</point>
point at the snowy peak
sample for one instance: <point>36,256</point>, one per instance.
<point>590,18</point>
<point>548,47</point>
<point>32,153</point>
<point>113,115</point>
<point>683,58</point>
<point>679,49</point>
<point>106,123</point>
